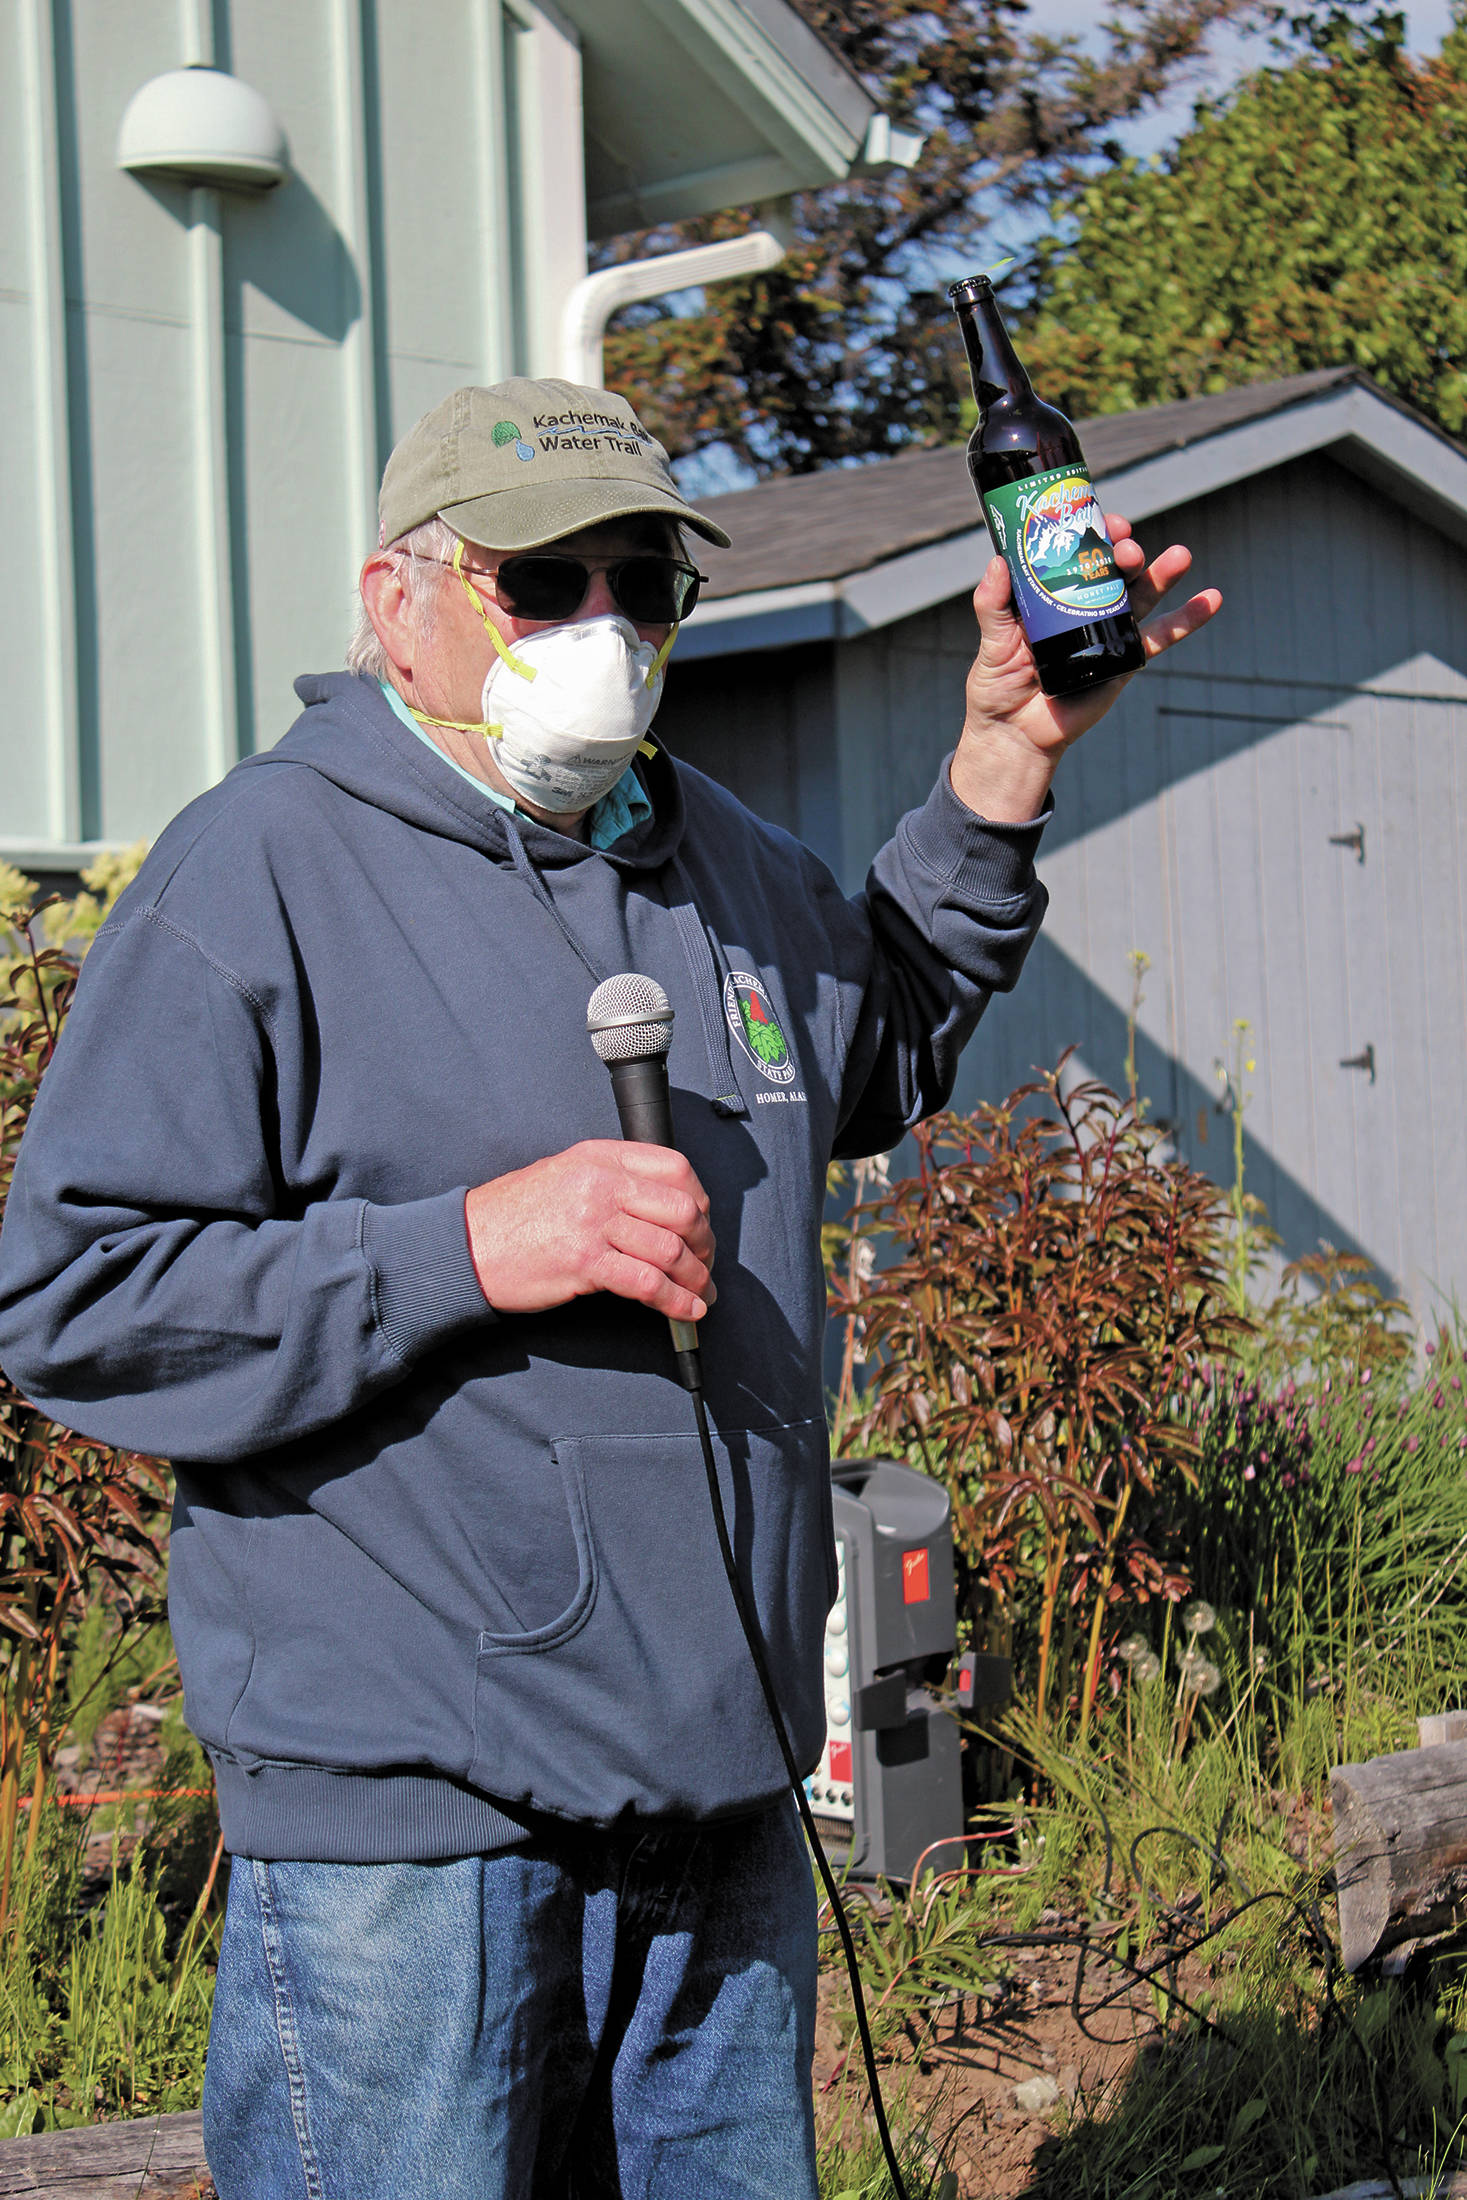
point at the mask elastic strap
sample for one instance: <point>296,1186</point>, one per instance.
<point>663,654</point>
<point>459,725</point>
<point>516,664</point>
<point>647,746</point>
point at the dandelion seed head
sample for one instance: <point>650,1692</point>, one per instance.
<point>1200,1677</point>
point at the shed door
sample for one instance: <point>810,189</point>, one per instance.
<point>1312,844</point>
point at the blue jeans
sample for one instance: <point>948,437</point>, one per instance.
<point>593,2017</point>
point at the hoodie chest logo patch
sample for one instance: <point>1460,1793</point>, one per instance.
<point>752,1020</point>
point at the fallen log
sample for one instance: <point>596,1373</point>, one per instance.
<point>142,2158</point>
<point>1442,2185</point>
<point>1400,1841</point>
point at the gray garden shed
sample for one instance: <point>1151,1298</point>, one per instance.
<point>1275,815</point>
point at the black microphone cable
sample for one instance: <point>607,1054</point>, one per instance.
<point>750,1626</point>
<point>629,1018</point>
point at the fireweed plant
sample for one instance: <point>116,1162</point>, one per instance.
<point>78,1521</point>
<point>104,1985</point>
<point>1328,1519</point>
<point>1059,1280</point>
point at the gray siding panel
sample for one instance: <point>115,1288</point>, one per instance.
<point>764,728</point>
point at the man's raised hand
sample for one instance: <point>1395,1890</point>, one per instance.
<point>1014,734</point>
<point>606,1215</point>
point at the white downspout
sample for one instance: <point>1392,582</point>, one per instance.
<point>590,305</point>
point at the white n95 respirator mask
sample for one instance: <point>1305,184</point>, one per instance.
<point>565,711</point>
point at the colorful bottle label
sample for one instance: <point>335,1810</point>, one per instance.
<point>1052,532</point>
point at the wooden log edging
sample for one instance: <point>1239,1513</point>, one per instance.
<point>1400,1843</point>
<point>141,2158</point>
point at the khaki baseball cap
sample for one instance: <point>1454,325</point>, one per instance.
<point>524,462</point>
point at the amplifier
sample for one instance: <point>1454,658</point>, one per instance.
<point>889,1780</point>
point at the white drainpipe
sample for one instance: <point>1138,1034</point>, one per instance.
<point>590,305</point>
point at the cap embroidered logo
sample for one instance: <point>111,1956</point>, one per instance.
<point>506,431</point>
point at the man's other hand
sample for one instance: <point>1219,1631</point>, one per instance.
<point>602,1216</point>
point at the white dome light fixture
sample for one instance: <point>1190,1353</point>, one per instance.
<point>203,126</point>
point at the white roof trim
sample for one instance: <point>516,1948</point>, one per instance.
<point>812,121</point>
<point>771,84</point>
<point>1368,433</point>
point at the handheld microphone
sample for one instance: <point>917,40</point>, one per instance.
<point>629,1018</point>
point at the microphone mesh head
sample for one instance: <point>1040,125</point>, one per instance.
<point>629,1016</point>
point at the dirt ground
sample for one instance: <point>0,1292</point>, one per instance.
<point>965,2074</point>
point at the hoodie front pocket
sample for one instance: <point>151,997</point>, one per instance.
<point>565,1622</point>
<point>643,1696</point>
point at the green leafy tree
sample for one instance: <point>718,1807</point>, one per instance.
<point>1315,217</point>
<point>847,349</point>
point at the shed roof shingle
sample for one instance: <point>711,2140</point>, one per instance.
<point>818,527</point>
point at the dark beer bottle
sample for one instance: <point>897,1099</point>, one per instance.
<point>1034,486</point>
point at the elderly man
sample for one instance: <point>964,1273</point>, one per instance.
<point>323,1200</point>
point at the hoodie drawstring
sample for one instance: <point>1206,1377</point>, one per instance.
<point>698,948</point>
<point>519,856</point>
<point>704,967</point>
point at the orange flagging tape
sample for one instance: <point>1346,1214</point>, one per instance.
<point>124,1795</point>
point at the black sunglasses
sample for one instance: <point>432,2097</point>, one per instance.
<point>545,584</point>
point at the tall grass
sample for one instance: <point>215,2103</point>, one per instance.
<point>104,2002</point>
